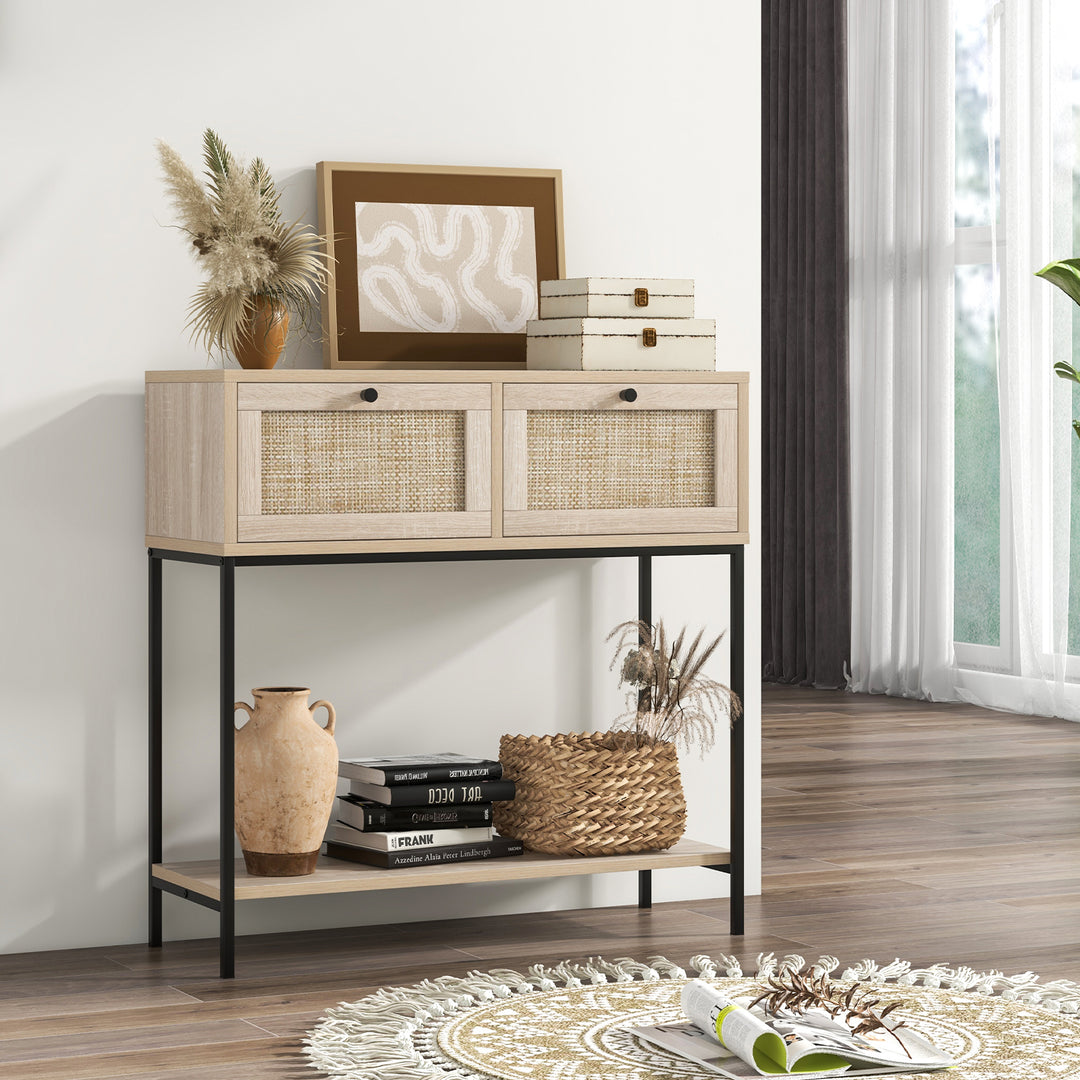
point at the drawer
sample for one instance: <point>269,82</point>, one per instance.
<point>620,458</point>
<point>363,461</point>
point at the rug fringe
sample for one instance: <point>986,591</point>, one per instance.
<point>381,1025</point>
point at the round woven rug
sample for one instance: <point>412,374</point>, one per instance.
<point>571,1021</point>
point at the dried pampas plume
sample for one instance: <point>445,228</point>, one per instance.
<point>673,699</point>
<point>243,246</point>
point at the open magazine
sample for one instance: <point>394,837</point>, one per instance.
<point>738,1042</point>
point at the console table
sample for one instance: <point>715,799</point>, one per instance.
<point>248,469</point>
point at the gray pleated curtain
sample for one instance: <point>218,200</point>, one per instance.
<point>806,547</point>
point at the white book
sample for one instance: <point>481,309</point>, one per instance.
<point>340,833</point>
<point>419,769</point>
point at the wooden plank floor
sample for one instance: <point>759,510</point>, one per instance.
<point>891,829</point>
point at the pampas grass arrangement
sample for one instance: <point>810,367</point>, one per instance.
<point>241,242</point>
<point>673,700</point>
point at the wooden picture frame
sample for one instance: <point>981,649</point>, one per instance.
<point>394,335</point>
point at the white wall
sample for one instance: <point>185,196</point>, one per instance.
<point>652,113</point>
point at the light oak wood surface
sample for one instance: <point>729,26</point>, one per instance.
<point>186,441</point>
<point>584,395</point>
<point>505,377</point>
<point>339,398</point>
<point>717,520</point>
<point>504,543</point>
<point>478,465</point>
<point>336,876</point>
<point>287,528</point>
<point>249,464</point>
<point>515,460</point>
<point>726,462</point>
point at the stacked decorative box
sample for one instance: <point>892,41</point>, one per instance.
<point>619,324</point>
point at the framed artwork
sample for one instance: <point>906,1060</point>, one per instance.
<point>433,266</point>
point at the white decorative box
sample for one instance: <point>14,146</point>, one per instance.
<point>648,298</point>
<point>621,344</point>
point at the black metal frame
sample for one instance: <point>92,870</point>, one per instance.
<point>227,565</point>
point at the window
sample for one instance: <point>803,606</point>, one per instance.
<point>1023,60</point>
<point>978,537</point>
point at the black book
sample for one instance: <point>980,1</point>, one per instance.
<point>371,817</point>
<point>419,769</point>
<point>496,848</point>
<point>475,791</point>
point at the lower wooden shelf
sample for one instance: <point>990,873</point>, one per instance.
<point>337,876</point>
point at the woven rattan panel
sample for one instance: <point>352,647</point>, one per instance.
<point>581,460</point>
<point>363,463</point>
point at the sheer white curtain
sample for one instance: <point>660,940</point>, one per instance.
<point>1032,104</point>
<point>900,79</point>
<point>901,113</point>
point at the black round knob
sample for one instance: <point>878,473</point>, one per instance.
<point>370,394</point>
<point>629,394</point>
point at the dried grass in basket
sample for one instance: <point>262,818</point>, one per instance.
<point>604,793</point>
<point>619,792</point>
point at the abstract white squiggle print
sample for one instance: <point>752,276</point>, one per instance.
<point>445,268</point>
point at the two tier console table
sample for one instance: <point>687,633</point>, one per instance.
<point>248,469</point>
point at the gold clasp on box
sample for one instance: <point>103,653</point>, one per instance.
<point>641,298</point>
<point>648,337</point>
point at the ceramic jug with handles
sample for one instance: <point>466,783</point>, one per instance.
<point>286,780</point>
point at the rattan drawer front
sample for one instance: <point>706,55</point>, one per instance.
<point>661,460</point>
<point>583,460</point>
<point>363,463</point>
<point>364,470</point>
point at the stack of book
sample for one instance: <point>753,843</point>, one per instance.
<point>419,810</point>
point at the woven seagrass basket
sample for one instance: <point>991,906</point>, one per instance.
<point>591,794</point>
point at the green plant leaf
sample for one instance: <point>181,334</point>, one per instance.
<point>1066,371</point>
<point>1065,274</point>
<point>1076,428</point>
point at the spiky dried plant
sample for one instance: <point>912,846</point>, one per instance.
<point>245,248</point>
<point>854,1006</point>
<point>673,699</point>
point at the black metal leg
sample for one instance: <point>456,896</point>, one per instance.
<point>644,888</point>
<point>738,748</point>
<point>154,738</point>
<point>644,589</point>
<point>227,765</point>
<point>644,603</point>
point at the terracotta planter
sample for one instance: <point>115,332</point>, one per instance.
<point>286,780</point>
<point>263,338</point>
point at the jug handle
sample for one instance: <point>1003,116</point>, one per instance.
<point>331,716</point>
<point>245,706</point>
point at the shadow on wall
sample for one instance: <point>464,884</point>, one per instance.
<point>73,642</point>
<point>398,648</point>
